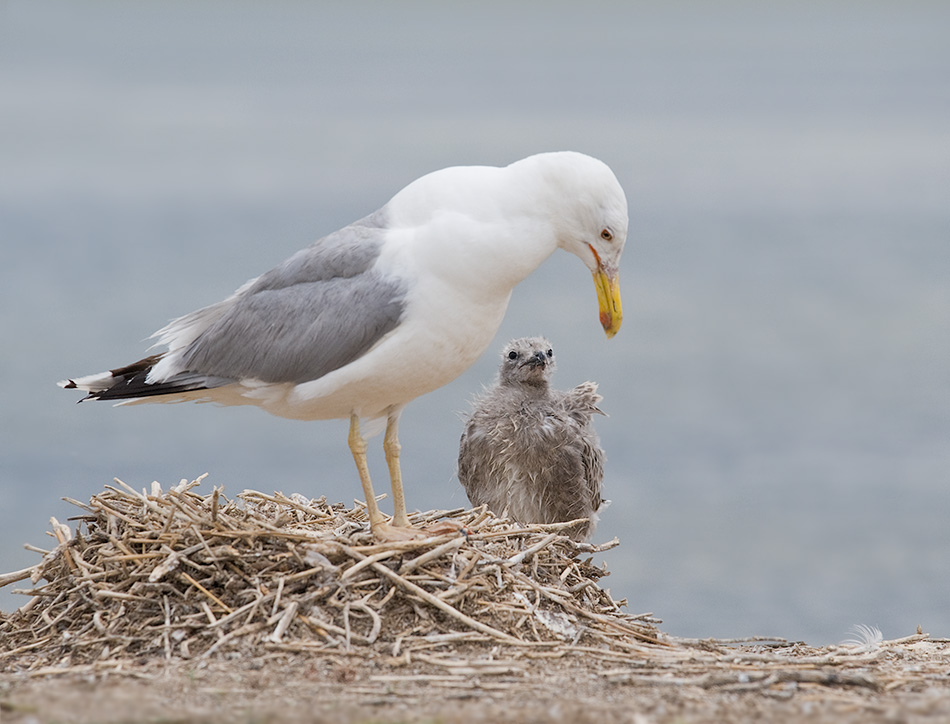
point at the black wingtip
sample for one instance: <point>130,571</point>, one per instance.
<point>131,382</point>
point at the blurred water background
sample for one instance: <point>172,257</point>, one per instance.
<point>779,395</point>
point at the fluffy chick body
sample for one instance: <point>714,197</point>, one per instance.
<point>530,451</point>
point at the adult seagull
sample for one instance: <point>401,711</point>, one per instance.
<point>392,306</point>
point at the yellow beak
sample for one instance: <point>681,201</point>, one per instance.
<point>608,299</point>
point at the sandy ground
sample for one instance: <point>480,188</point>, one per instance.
<point>906,681</point>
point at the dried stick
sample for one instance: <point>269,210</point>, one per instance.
<point>437,602</point>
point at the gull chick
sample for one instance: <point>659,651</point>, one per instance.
<point>531,452</point>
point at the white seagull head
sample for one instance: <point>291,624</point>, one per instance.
<point>588,210</point>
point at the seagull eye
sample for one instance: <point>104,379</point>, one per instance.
<point>512,355</point>
<point>550,353</point>
<point>606,235</point>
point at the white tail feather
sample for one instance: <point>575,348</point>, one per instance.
<point>90,383</point>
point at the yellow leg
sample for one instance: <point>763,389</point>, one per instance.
<point>358,448</point>
<point>391,448</point>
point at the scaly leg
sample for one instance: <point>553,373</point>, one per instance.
<point>358,448</point>
<point>391,448</point>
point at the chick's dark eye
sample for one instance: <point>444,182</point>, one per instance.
<point>512,355</point>
<point>550,353</point>
<point>606,235</point>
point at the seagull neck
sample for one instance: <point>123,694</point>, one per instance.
<point>499,258</point>
<point>527,390</point>
<point>525,252</point>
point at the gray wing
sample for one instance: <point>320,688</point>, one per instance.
<point>593,461</point>
<point>318,311</point>
<point>575,485</point>
<point>475,460</point>
<point>581,404</point>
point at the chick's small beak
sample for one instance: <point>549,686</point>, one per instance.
<point>536,360</point>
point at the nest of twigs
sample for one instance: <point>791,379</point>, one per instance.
<point>176,575</point>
